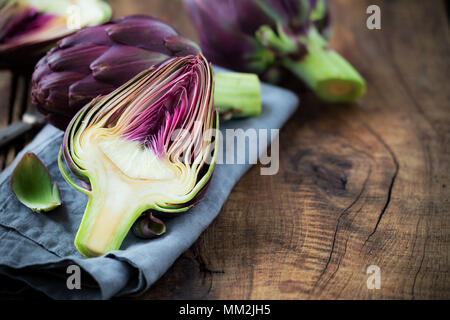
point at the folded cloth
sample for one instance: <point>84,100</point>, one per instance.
<point>37,249</point>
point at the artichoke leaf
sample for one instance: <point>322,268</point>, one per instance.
<point>32,185</point>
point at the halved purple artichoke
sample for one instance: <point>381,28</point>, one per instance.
<point>96,60</point>
<point>266,36</point>
<point>149,145</point>
<point>28,28</point>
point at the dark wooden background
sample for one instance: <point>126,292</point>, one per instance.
<point>359,184</point>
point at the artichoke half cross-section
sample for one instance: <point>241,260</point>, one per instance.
<point>149,145</point>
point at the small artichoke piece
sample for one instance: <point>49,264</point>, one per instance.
<point>148,227</point>
<point>146,146</point>
<point>32,184</point>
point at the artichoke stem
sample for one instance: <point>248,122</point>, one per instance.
<point>106,222</point>
<point>327,73</point>
<point>237,95</point>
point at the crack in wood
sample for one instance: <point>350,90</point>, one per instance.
<point>202,266</point>
<point>204,269</point>
<point>418,270</point>
<point>341,215</point>
<point>416,275</point>
<point>391,185</point>
<point>339,263</point>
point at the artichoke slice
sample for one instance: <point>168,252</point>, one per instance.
<point>146,146</point>
<point>32,184</point>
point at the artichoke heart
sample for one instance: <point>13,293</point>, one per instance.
<point>149,145</point>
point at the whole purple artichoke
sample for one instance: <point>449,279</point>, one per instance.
<point>266,36</point>
<point>97,60</point>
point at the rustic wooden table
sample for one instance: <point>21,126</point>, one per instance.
<point>360,184</point>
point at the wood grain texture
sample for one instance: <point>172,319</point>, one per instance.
<point>359,184</point>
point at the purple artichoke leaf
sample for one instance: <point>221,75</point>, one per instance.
<point>74,59</point>
<point>126,61</point>
<point>92,36</point>
<point>181,46</point>
<point>83,91</point>
<point>144,33</point>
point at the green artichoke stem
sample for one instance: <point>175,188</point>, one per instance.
<point>326,72</point>
<point>237,94</point>
<point>107,219</point>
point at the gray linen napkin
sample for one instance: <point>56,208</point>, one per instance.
<point>36,249</point>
